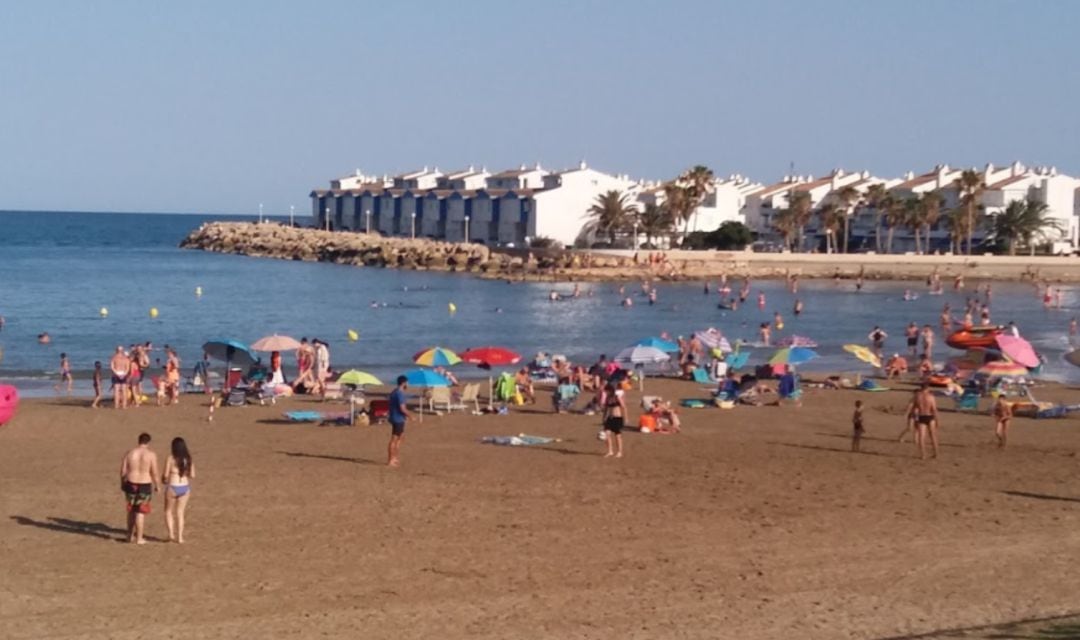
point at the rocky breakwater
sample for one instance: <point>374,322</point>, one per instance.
<point>270,240</point>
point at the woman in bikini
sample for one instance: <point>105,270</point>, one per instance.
<point>177,475</point>
<point>614,419</point>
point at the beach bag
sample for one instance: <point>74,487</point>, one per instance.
<point>518,398</point>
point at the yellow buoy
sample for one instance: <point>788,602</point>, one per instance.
<point>198,291</point>
<point>104,312</point>
<point>453,308</point>
<point>353,336</point>
<point>153,312</point>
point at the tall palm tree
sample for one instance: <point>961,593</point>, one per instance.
<point>679,203</point>
<point>913,219</point>
<point>1023,221</point>
<point>831,217</point>
<point>930,211</point>
<point>698,182</point>
<point>848,197</point>
<point>785,223</point>
<point>892,214</point>
<point>971,185</point>
<point>956,223</point>
<point>611,213</point>
<point>802,209</point>
<point>875,196</point>
<point>654,221</point>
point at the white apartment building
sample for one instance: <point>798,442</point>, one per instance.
<point>725,203</point>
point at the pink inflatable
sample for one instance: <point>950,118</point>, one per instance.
<point>9,402</point>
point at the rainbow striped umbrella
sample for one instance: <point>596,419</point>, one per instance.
<point>1002,369</point>
<point>436,357</point>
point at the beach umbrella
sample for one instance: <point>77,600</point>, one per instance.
<point>666,346</point>
<point>793,356</point>
<point>358,378</point>
<point>230,352</point>
<point>436,357</point>
<point>797,341</point>
<point>1002,369</point>
<point>275,343</point>
<point>974,358</point>
<point>488,357</point>
<point>639,356</point>
<point>1018,350</point>
<point>425,378</point>
<point>1073,357</point>
<point>864,354</point>
<point>711,338</point>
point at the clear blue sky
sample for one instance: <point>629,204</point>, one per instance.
<point>217,106</point>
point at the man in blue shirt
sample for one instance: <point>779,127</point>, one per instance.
<point>399,413</point>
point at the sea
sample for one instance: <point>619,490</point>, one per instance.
<point>59,270</point>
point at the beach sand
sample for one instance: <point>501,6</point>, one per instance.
<point>753,523</point>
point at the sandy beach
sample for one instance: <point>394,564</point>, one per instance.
<point>752,523</point>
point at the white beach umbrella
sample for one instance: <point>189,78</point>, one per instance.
<point>638,356</point>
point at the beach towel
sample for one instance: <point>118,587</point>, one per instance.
<point>520,440</point>
<point>321,417</point>
<point>871,385</point>
<point>694,403</point>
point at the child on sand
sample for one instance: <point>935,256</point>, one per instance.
<point>97,384</point>
<point>857,426</point>
<point>1002,416</point>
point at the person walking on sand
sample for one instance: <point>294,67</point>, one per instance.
<point>614,419</point>
<point>926,420</point>
<point>139,481</point>
<point>120,365</point>
<point>1002,415</point>
<point>857,427</point>
<point>177,476</point>
<point>97,385</point>
<point>399,414</point>
<point>65,374</point>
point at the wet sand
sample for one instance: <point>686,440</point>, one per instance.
<point>753,523</point>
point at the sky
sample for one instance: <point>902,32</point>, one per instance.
<point>216,107</point>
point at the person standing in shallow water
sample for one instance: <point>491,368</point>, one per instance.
<point>177,476</point>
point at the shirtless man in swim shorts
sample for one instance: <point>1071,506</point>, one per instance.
<point>121,368</point>
<point>926,420</point>
<point>139,481</point>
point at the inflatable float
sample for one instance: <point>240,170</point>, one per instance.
<point>969,338</point>
<point>9,402</point>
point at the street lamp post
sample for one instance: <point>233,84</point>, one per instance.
<point>367,226</point>
<point>635,234</point>
<point>327,218</point>
<point>292,215</point>
<point>466,229</point>
<point>413,224</point>
<point>260,213</point>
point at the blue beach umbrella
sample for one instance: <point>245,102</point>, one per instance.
<point>426,378</point>
<point>231,352</point>
<point>667,346</point>
<point>793,356</point>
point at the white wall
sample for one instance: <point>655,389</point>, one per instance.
<point>562,211</point>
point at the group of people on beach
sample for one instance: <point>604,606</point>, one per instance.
<point>129,369</point>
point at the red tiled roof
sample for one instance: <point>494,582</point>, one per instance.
<point>917,181</point>
<point>1006,182</point>
<point>806,186</point>
<point>779,187</point>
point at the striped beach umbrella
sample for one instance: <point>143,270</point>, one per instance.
<point>436,357</point>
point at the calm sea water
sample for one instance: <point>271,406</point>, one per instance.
<point>58,269</point>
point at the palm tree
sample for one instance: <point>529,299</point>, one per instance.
<point>696,183</point>
<point>930,211</point>
<point>892,214</point>
<point>956,223</point>
<point>971,185</point>
<point>654,221</point>
<point>802,208</point>
<point>848,197</point>
<point>875,196</point>
<point>831,217</point>
<point>611,213</point>
<point>913,219</point>
<point>1023,220</point>
<point>784,221</point>
<point>679,204</point>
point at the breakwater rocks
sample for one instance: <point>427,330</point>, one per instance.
<point>370,250</point>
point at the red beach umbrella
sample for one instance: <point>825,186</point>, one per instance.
<point>490,356</point>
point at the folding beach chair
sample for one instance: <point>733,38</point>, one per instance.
<point>968,401</point>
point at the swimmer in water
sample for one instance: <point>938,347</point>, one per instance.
<point>798,307</point>
<point>778,321</point>
<point>628,302</point>
<point>706,287</point>
<point>43,338</point>
<point>652,297</point>
<point>553,296</point>
<point>761,301</point>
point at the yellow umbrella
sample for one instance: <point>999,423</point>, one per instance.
<point>864,354</point>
